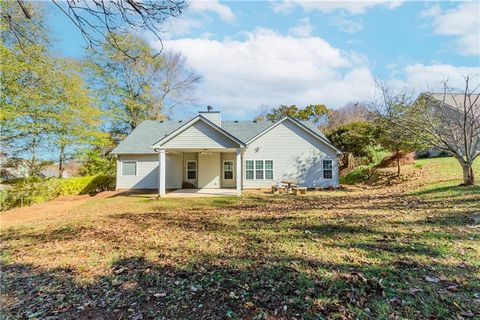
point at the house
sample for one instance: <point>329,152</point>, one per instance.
<point>210,153</point>
<point>453,110</point>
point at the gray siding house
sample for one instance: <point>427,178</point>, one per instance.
<point>210,153</point>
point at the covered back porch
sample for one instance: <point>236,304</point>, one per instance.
<point>208,169</point>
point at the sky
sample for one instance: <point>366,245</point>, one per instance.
<point>255,55</point>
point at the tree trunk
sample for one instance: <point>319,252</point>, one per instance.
<point>61,162</point>
<point>468,176</point>
<point>34,158</point>
<point>398,163</point>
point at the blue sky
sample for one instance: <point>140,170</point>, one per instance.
<point>254,55</point>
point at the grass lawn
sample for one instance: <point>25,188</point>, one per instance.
<point>407,251</point>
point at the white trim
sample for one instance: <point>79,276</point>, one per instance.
<point>299,124</point>
<point>323,169</point>
<point>129,175</point>
<point>233,169</point>
<point>238,175</point>
<point>189,124</point>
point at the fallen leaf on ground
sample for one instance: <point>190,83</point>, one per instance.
<point>432,279</point>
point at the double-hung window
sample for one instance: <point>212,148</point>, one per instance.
<point>327,169</point>
<point>269,169</point>
<point>191,170</point>
<point>259,169</point>
<point>228,170</point>
<point>249,170</point>
<point>129,168</point>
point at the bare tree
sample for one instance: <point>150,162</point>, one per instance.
<point>448,121</point>
<point>351,112</point>
<point>96,20</point>
<point>177,82</point>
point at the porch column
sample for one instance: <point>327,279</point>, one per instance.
<point>161,173</point>
<point>238,172</point>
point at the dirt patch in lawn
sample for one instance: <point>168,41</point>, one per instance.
<point>54,210</point>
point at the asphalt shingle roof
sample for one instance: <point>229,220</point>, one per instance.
<point>150,132</point>
<point>456,100</point>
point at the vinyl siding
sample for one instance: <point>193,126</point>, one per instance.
<point>296,154</point>
<point>200,135</point>
<point>147,172</point>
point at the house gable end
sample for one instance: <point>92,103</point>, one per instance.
<point>301,126</point>
<point>199,133</point>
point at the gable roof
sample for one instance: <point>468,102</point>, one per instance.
<point>151,132</point>
<point>145,135</point>
<point>454,100</point>
<point>188,124</point>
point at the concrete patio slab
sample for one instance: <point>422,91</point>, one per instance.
<point>189,193</point>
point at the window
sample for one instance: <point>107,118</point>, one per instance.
<point>249,169</point>
<point>259,169</point>
<point>327,169</point>
<point>191,170</point>
<point>269,169</point>
<point>129,168</point>
<point>228,170</point>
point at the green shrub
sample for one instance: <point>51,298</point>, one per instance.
<point>99,184</point>
<point>358,175</point>
<point>37,191</point>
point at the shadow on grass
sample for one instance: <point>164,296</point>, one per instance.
<point>136,288</point>
<point>449,190</point>
<point>137,193</point>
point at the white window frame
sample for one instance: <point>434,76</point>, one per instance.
<point>233,170</point>
<point>323,169</point>
<point>186,169</point>
<point>263,169</point>
<point>129,175</point>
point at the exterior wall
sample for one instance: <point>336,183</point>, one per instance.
<point>200,135</point>
<point>147,172</point>
<point>229,183</point>
<point>296,154</point>
<point>209,170</point>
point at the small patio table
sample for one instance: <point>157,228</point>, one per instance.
<point>290,184</point>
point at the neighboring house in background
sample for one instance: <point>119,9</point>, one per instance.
<point>210,153</point>
<point>452,106</point>
<point>71,169</point>
<point>12,168</point>
<point>17,168</point>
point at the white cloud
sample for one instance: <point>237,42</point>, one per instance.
<point>328,6</point>
<point>462,22</point>
<point>272,69</point>
<point>181,26</point>
<point>345,24</point>
<point>222,10</point>
<point>422,77</point>
<point>302,29</point>
<point>196,17</point>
